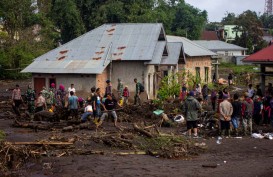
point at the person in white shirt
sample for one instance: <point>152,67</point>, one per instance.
<point>71,88</point>
<point>250,91</point>
<point>88,111</point>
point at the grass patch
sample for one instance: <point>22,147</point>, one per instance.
<point>2,135</point>
<point>238,68</point>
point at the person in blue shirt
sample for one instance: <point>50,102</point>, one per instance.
<point>73,105</point>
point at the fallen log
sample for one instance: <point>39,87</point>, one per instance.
<point>39,143</point>
<point>141,131</point>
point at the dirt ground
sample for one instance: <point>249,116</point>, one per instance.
<point>244,156</point>
<point>233,157</point>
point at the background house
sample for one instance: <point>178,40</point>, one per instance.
<point>111,51</point>
<point>264,58</point>
<point>225,51</point>
<point>198,58</point>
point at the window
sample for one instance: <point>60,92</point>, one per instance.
<point>206,74</point>
<point>197,74</point>
<point>165,73</point>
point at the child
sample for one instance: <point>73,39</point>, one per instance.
<point>126,95</point>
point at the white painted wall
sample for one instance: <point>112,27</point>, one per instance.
<point>82,83</point>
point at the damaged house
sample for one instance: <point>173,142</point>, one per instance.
<point>111,51</point>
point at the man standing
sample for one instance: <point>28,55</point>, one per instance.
<point>30,97</point>
<point>73,104</point>
<point>71,89</point>
<point>247,110</point>
<point>109,108</point>
<point>226,111</point>
<point>250,91</point>
<point>190,110</point>
<point>230,79</point>
<point>17,100</point>
<point>96,103</point>
<point>138,92</point>
<point>40,103</point>
<point>236,114</point>
<point>108,89</point>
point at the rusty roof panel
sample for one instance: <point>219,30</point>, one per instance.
<point>129,42</point>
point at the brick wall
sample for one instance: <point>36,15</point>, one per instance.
<point>101,80</point>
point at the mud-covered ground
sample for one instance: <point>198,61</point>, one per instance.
<point>233,157</point>
<point>244,156</point>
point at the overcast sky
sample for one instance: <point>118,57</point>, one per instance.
<point>217,8</point>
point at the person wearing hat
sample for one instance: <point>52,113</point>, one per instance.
<point>190,110</point>
<point>226,111</point>
<point>247,113</point>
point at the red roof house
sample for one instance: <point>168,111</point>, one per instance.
<point>209,35</point>
<point>263,56</point>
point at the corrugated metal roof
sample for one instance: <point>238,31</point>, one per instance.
<point>130,41</point>
<point>175,52</point>
<point>158,53</point>
<point>190,48</point>
<point>263,56</point>
<point>216,45</point>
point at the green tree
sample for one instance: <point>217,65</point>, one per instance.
<point>250,26</point>
<point>189,21</point>
<point>229,19</point>
<point>66,17</point>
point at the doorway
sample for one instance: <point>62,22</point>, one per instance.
<point>52,80</point>
<point>39,83</point>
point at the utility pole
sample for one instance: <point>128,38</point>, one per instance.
<point>268,8</point>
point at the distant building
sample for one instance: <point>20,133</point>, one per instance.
<point>264,58</point>
<point>224,50</point>
<point>228,33</point>
<point>209,35</point>
<point>198,59</point>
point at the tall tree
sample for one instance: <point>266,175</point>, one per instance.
<point>67,18</point>
<point>189,21</point>
<point>229,19</point>
<point>250,26</point>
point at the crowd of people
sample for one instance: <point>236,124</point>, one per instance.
<point>97,105</point>
<point>234,110</point>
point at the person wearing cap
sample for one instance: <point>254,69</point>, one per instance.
<point>226,111</point>
<point>30,98</point>
<point>108,89</point>
<point>40,103</point>
<point>247,113</point>
<point>17,100</point>
<point>190,110</point>
<point>71,89</point>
